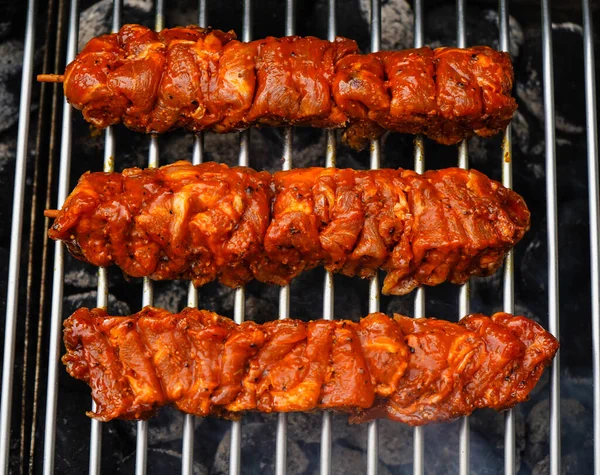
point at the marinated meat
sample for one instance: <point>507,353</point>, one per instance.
<point>209,221</point>
<point>205,79</point>
<point>412,371</point>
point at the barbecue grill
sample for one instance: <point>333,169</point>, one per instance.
<point>28,435</point>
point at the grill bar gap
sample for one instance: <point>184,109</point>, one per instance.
<point>419,302</point>
<point>58,274</point>
<point>16,238</point>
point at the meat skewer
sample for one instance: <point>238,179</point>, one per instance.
<point>414,371</point>
<point>209,221</point>
<point>205,79</point>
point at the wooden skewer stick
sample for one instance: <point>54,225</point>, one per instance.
<point>51,213</point>
<point>50,77</point>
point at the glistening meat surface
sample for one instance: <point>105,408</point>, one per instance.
<point>209,221</point>
<point>412,371</point>
<point>204,79</point>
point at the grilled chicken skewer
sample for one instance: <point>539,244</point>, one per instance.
<point>209,221</point>
<point>414,371</point>
<point>205,79</point>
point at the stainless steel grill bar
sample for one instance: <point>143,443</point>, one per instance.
<point>552,224</point>
<point>189,421</point>
<point>141,444</point>
<point>592,154</point>
<point>375,162</point>
<point>465,289</point>
<point>464,432</point>
<point>418,33</point>
<point>202,14</point>
<point>284,293</point>
<point>331,23</point>
<point>290,17</point>
<point>58,274</point>
<point>159,21</point>
<point>102,290</point>
<point>328,288</point>
<point>419,302</point>
<point>328,293</point>
<point>281,434</point>
<point>239,311</point>
<point>12,297</point>
<point>508,272</point>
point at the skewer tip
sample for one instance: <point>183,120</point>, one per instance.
<point>51,213</point>
<point>50,77</point>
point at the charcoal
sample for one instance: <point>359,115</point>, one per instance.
<point>576,419</point>
<point>258,451</point>
<point>11,54</point>
<point>345,460</point>
<point>97,19</point>
<point>89,299</point>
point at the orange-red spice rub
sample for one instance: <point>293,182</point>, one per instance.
<point>412,371</point>
<point>208,222</point>
<point>205,79</point>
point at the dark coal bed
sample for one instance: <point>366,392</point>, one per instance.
<point>211,448</point>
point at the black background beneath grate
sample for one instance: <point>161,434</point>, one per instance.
<point>211,436</point>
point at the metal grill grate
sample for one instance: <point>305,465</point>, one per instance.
<point>284,300</point>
